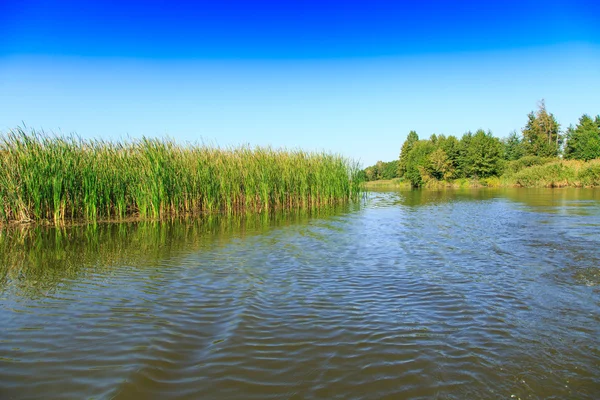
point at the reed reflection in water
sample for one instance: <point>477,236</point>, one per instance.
<point>414,294</point>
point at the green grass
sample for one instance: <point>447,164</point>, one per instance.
<point>515,166</point>
<point>561,173</point>
<point>387,183</point>
<point>58,179</point>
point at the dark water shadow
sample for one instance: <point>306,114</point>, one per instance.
<point>37,260</point>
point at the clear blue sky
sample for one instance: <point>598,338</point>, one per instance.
<point>352,77</point>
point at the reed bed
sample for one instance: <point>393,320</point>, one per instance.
<point>60,179</point>
<point>561,173</point>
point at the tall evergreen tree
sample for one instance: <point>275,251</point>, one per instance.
<point>483,155</point>
<point>541,134</point>
<point>464,166</point>
<point>451,147</point>
<point>513,147</point>
<point>407,146</point>
<point>583,141</point>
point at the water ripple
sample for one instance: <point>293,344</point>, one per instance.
<point>446,295</point>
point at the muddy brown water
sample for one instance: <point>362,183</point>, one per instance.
<point>413,294</point>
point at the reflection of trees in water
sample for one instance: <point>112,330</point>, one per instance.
<point>535,197</point>
<point>423,197</point>
<point>543,197</point>
<point>37,259</point>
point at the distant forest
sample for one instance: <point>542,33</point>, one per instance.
<point>481,155</point>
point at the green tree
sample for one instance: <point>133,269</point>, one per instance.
<point>370,173</point>
<point>463,161</point>
<point>483,154</point>
<point>513,147</point>
<point>583,141</point>
<point>541,134</point>
<point>407,146</point>
<point>381,170</point>
<point>390,170</point>
<point>439,165</point>
<point>451,146</point>
<point>417,161</point>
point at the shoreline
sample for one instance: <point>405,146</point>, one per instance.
<point>188,217</point>
<point>553,174</point>
<point>397,184</point>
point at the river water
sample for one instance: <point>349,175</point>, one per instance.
<point>413,294</point>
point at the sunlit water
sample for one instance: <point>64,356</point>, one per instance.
<point>453,294</point>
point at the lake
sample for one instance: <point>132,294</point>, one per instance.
<point>485,293</point>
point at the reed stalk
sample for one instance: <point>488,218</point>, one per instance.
<point>60,179</point>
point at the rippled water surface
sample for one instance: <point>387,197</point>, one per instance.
<point>415,294</point>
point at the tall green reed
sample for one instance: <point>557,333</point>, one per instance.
<point>58,179</point>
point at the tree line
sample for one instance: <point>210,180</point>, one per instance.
<point>482,155</point>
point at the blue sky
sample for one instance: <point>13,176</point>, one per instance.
<point>349,77</point>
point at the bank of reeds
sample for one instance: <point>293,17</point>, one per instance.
<point>560,173</point>
<point>530,171</point>
<point>515,166</point>
<point>59,179</point>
